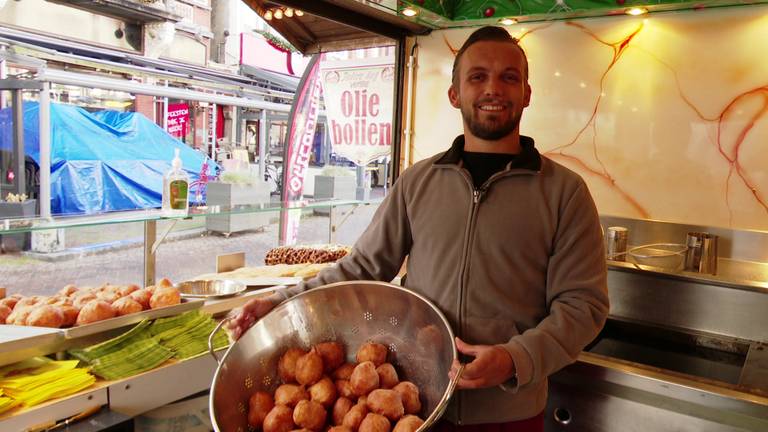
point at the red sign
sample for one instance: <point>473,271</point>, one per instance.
<point>178,119</point>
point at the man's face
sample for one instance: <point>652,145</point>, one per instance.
<point>491,89</point>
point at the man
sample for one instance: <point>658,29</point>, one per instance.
<point>505,242</point>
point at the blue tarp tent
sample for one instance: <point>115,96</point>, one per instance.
<point>103,161</point>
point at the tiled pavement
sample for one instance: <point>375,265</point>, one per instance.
<point>177,259</point>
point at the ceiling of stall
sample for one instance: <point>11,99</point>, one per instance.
<point>330,25</point>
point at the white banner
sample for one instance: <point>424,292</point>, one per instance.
<point>359,96</point>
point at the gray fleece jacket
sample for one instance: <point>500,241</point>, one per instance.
<point>518,262</point>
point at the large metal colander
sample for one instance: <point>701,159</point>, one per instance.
<point>419,339</point>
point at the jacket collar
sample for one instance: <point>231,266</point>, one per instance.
<point>528,158</point>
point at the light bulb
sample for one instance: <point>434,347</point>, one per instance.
<point>268,15</point>
<point>409,11</point>
<point>507,21</point>
<point>636,11</point>
<point>299,13</point>
<point>289,12</point>
<point>279,14</point>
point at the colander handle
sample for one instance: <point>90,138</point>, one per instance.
<point>440,408</point>
<point>212,335</point>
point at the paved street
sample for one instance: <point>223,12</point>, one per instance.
<point>192,252</point>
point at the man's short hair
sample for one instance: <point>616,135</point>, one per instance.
<point>487,34</point>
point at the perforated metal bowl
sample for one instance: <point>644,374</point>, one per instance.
<point>419,338</point>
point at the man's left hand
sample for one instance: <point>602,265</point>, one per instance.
<point>492,365</point>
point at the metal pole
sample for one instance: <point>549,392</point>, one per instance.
<point>150,233</point>
<point>45,151</point>
<point>262,143</point>
<point>213,131</point>
<point>165,111</point>
<point>3,75</point>
<point>19,182</point>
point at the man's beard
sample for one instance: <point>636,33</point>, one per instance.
<point>491,131</point>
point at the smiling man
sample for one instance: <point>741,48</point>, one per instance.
<point>506,242</point>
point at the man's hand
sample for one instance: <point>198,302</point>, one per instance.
<point>492,366</point>
<point>247,315</point>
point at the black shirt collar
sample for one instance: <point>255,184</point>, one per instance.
<point>528,158</point>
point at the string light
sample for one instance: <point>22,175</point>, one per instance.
<point>507,21</point>
<point>279,13</point>
<point>409,11</point>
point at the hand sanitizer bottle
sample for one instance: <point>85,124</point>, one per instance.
<point>175,190</point>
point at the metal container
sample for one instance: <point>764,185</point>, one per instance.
<point>702,252</point>
<point>617,243</point>
<point>420,342</point>
<point>210,288</point>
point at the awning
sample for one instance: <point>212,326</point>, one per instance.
<point>116,68</point>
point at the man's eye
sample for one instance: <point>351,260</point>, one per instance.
<point>475,77</point>
<point>511,78</point>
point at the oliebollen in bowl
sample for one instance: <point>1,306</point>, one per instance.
<point>419,340</point>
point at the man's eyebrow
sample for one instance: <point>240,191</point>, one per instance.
<point>477,69</point>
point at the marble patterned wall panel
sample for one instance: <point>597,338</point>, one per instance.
<point>665,117</point>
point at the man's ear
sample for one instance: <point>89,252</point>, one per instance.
<point>453,96</point>
<point>527,95</point>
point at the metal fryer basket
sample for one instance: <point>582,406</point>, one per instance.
<point>419,338</point>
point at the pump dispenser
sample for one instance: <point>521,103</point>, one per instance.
<point>175,189</point>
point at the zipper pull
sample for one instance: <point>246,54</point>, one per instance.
<point>478,195</point>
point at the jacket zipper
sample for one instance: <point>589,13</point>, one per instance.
<point>477,196</point>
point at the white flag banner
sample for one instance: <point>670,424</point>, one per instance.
<point>359,97</point>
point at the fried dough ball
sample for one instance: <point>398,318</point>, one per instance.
<point>387,403</point>
<point>93,311</point>
<point>69,290</point>
<point>259,405</point>
<point>83,298</point>
<point>323,392</point>
<point>126,305</point>
<point>45,316</point>
<point>364,379</point>
<point>344,372</point>
<point>374,423</point>
<point>165,283</point>
<point>310,415</point>
<point>372,352</point>
<point>309,368</point>
<point>70,314</point>
<point>409,393</point>
<point>286,366</point>
<point>164,297</point>
<point>409,423</point>
<point>28,301</point>
<point>108,296</point>
<point>290,395</point>
<point>332,353</point>
<point>340,428</point>
<point>279,419</point>
<point>340,408</point>
<point>355,416</point>
<point>344,389</point>
<point>19,315</point>
<point>387,376</point>
<point>127,289</point>
<point>141,296</point>
<point>4,312</point>
<point>9,302</point>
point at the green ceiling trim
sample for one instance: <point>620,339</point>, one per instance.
<point>457,13</point>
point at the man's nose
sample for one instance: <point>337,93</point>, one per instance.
<point>492,87</point>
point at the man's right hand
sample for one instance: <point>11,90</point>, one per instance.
<point>244,317</point>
